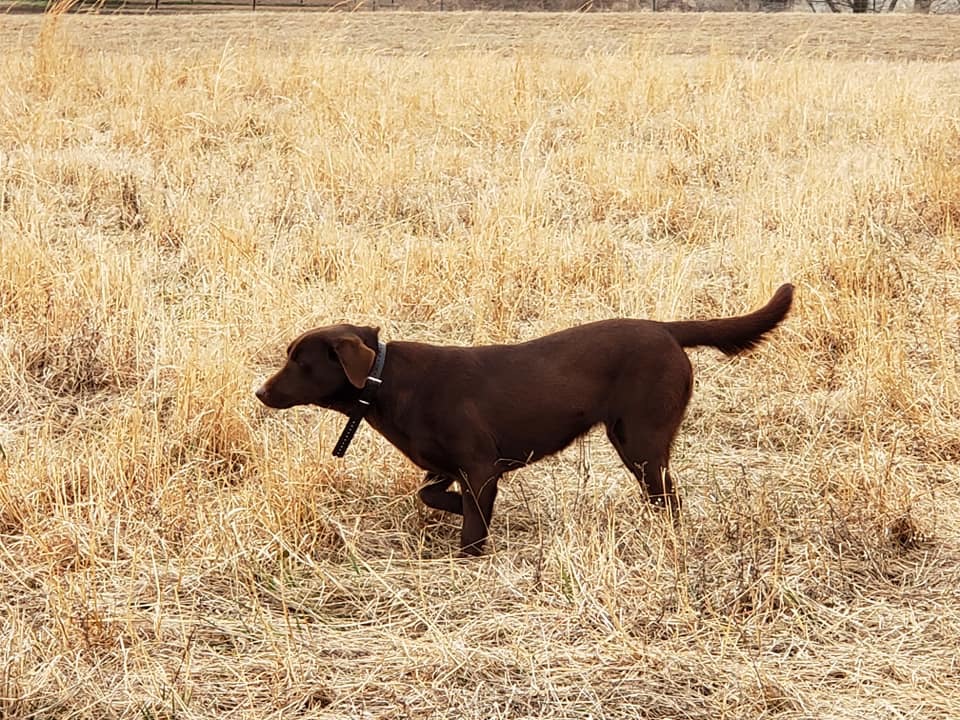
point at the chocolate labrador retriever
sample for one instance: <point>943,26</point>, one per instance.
<point>470,414</point>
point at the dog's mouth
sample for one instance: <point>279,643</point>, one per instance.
<point>278,397</point>
<point>272,399</point>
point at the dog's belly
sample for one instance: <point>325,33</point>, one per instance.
<point>536,438</point>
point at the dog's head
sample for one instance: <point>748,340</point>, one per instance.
<point>324,366</point>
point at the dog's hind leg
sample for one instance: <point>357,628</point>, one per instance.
<point>644,418</point>
<point>646,453</point>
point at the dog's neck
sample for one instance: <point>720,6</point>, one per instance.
<point>387,414</point>
<point>365,399</point>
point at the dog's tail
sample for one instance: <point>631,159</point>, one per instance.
<point>736,334</point>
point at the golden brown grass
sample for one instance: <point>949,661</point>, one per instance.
<point>169,218</point>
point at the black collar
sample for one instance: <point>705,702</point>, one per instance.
<point>367,396</point>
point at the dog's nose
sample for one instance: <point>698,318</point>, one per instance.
<point>261,393</point>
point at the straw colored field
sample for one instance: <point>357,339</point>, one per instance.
<point>181,196</point>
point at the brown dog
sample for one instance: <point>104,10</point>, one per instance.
<point>470,414</point>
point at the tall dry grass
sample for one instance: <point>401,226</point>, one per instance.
<point>168,221</point>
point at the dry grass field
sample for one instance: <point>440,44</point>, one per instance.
<point>180,196</point>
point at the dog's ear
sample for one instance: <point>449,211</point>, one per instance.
<point>355,358</point>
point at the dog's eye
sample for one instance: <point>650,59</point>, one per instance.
<point>297,358</point>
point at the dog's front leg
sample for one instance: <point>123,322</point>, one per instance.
<point>434,494</point>
<point>479,492</point>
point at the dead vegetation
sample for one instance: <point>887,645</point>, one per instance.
<point>169,219</point>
